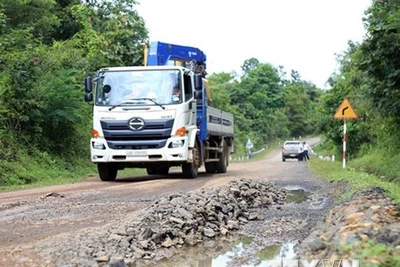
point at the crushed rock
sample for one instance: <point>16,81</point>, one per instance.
<point>180,219</point>
<point>368,217</point>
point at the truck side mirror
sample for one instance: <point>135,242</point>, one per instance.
<point>89,97</point>
<point>88,84</point>
<point>198,94</point>
<point>198,82</point>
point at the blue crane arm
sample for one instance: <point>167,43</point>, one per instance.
<point>160,54</point>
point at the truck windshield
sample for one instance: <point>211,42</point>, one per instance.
<point>139,87</point>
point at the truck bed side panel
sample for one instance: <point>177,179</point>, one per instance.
<point>219,123</point>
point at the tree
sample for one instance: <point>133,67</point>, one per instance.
<point>380,58</point>
<point>47,47</point>
<point>112,32</point>
<point>249,64</point>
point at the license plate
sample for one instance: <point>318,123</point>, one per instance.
<point>137,153</point>
<point>292,155</point>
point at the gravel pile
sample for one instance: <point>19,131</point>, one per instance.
<point>370,217</point>
<point>170,223</point>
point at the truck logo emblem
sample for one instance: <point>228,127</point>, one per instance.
<point>136,124</point>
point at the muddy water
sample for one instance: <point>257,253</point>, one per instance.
<point>234,251</point>
<point>297,195</point>
<point>261,258</point>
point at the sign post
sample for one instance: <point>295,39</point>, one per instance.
<point>345,111</point>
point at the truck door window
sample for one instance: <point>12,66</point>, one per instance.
<point>188,87</point>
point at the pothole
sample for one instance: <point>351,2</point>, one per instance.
<point>238,251</point>
<point>241,253</point>
<point>297,195</point>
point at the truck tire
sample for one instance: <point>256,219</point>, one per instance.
<point>191,169</point>
<point>107,171</point>
<point>221,165</point>
<point>283,159</point>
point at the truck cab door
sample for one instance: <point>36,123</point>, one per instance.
<point>189,97</point>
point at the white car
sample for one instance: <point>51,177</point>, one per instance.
<point>292,150</point>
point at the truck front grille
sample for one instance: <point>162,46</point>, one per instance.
<point>154,134</point>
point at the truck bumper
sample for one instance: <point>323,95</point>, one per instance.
<point>167,153</point>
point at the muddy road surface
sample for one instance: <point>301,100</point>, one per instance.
<point>62,225</point>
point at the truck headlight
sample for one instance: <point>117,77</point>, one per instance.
<point>98,145</point>
<point>176,144</point>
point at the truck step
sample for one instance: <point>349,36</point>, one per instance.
<point>211,160</point>
<point>213,148</point>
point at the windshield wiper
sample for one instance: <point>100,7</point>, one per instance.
<point>135,99</point>
<point>158,104</point>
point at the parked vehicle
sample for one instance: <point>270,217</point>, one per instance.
<point>292,150</point>
<point>158,116</point>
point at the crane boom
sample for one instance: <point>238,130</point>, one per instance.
<point>161,54</point>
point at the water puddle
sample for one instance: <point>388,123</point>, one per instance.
<point>239,251</point>
<point>239,254</point>
<point>277,252</point>
<point>297,195</point>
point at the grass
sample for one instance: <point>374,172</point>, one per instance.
<point>356,179</point>
<point>268,149</point>
<point>271,147</point>
<point>58,177</point>
<point>44,170</point>
<point>372,254</point>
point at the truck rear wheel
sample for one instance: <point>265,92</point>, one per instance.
<point>191,169</point>
<point>222,164</point>
<point>107,171</point>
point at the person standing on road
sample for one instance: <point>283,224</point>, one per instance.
<point>305,151</point>
<point>301,152</point>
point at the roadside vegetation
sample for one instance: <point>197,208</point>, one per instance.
<point>369,75</point>
<point>356,180</point>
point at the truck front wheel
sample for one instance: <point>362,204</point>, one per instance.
<point>107,171</point>
<point>191,169</point>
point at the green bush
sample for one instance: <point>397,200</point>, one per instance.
<point>380,163</point>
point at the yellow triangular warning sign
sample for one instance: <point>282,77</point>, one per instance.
<point>345,111</point>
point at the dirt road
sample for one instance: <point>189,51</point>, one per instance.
<point>29,217</point>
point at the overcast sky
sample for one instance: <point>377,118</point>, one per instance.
<point>301,35</point>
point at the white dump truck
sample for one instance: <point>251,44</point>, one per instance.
<point>158,116</point>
